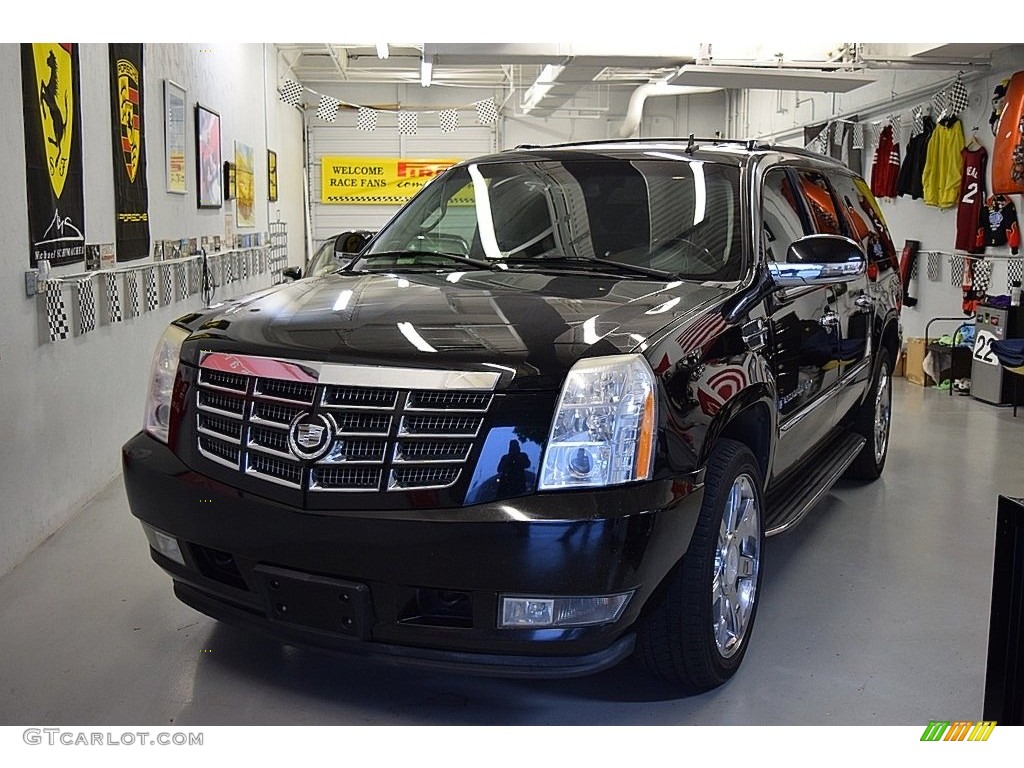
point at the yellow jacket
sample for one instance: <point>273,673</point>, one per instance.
<point>944,165</point>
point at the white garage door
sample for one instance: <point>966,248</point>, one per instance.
<point>343,138</point>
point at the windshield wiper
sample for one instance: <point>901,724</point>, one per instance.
<point>481,263</point>
<point>589,265</point>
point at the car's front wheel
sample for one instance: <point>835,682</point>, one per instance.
<point>698,632</point>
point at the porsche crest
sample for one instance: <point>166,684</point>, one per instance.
<point>56,107</point>
<point>128,100</point>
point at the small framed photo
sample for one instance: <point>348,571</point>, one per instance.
<point>209,180</point>
<point>272,175</point>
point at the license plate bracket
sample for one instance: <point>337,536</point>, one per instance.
<point>316,602</point>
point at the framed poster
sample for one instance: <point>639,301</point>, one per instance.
<point>209,184</point>
<point>272,175</point>
<point>245,191</point>
<point>229,180</point>
<point>174,138</point>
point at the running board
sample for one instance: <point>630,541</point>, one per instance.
<point>790,503</point>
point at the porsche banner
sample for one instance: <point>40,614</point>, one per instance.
<point>375,180</point>
<point>53,152</point>
<point>131,194</point>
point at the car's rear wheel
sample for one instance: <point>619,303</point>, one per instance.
<point>873,420</point>
<point>697,634</point>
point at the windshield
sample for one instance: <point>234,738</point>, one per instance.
<point>673,217</point>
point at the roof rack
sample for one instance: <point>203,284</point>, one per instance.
<point>691,142</point>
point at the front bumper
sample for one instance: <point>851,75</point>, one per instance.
<point>420,587</point>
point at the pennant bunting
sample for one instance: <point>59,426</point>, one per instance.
<point>56,313</point>
<point>113,298</point>
<point>449,120</point>
<point>291,93</point>
<point>407,123</point>
<point>367,119</point>
<point>328,109</point>
<point>486,112</point>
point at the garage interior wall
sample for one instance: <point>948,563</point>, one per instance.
<point>66,407</point>
<point>897,91</point>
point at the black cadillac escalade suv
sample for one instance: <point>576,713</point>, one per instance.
<point>543,422</point>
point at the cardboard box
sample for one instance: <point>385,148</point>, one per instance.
<point>913,367</point>
<point>901,364</point>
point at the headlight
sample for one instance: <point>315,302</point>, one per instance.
<point>161,382</point>
<point>603,430</point>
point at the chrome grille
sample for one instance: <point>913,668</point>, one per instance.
<point>449,401</point>
<point>423,477</point>
<point>345,479</point>
<point>360,397</point>
<point>385,438</point>
<point>295,391</point>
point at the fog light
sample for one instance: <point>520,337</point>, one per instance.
<point>164,544</point>
<point>542,611</point>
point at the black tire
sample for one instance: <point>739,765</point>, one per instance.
<point>872,420</point>
<point>682,640</point>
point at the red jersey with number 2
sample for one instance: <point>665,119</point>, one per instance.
<point>972,200</point>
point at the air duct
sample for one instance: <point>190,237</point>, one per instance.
<point>635,110</point>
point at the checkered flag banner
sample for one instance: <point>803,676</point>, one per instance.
<point>1014,271</point>
<point>822,144</point>
<point>957,97</point>
<point>934,267</point>
<point>956,272</point>
<point>486,112</point>
<point>113,298</point>
<point>167,285</point>
<point>195,275</point>
<point>838,131</point>
<point>291,93</point>
<point>182,270</point>
<point>152,296</point>
<point>227,265</point>
<point>896,121</point>
<point>86,306</point>
<point>449,120</point>
<point>918,117</point>
<point>56,313</point>
<point>858,136</point>
<point>131,283</point>
<point>939,103</point>
<point>367,119</point>
<point>982,276</point>
<point>245,265</point>
<point>328,109</point>
<point>408,123</point>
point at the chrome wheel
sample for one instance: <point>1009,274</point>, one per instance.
<point>737,562</point>
<point>883,412</point>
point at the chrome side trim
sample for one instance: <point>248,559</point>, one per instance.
<point>833,390</point>
<point>846,380</point>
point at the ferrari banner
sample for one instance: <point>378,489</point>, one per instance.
<point>131,193</point>
<point>375,180</point>
<point>53,152</point>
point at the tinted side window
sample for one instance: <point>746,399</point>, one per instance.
<point>865,220</point>
<point>820,202</point>
<point>782,221</point>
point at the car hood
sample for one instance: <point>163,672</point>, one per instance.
<point>531,323</point>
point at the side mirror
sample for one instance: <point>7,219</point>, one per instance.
<point>819,260</point>
<point>352,242</point>
<point>292,273</point>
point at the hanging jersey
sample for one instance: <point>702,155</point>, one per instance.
<point>943,165</point>
<point>1000,218</point>
<point>972,200</point>
<point>885,167</point>
<point>909,181</point>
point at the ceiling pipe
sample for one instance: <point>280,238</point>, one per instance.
<point>635,110</point>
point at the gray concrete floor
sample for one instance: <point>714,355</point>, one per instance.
<point>874,612</point>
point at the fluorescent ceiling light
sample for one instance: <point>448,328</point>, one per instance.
<point>382,51</point>
<point>426,68</point>
<point>772,79</point>
<point>545,82</point>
